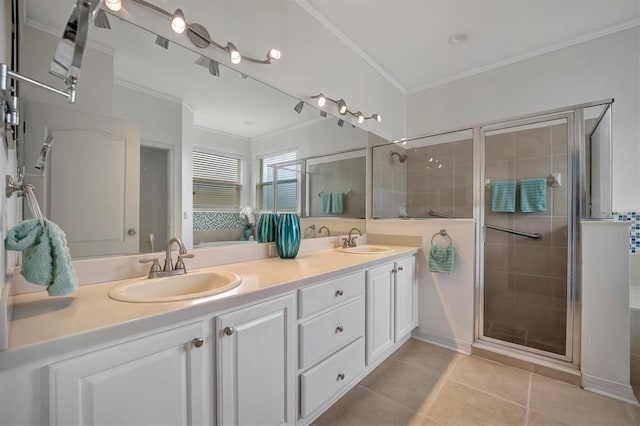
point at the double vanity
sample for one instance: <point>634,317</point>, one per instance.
<point>274,342</point>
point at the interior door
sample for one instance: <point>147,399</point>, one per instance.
<point>92,179</point>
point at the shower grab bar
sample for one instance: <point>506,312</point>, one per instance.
<point>535,236</point>
<point>436,214</point>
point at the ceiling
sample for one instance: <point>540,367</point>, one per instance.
<point>407,40</point>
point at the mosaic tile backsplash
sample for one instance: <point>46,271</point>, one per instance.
<point>633,219</point>
<point>218,221</point>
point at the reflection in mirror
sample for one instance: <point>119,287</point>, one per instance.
<point>424,177</point>
<point>597,125</point>
<point>125,171</point>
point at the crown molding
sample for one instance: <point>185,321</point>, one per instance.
<point>147,91</point>
<point>311,10</point>
<point>287,129</point>
<point>515,59</point>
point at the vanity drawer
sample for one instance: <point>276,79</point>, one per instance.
<point>328,332</point>
<point>321,296</point>
<point>330,376</point>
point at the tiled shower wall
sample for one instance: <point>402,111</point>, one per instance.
<point>339,176</point>
<point>447,190</point>
<point>389,181</point>
<point>525,279</point>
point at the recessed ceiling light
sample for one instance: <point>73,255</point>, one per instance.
<point>457,38</point>
<point>249,123</point>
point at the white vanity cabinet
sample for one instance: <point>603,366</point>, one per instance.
<point>331,340</point>
<point>157,379</point>
<point>256,364</point>
<point>391,306</point>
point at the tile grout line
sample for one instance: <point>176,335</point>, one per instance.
<point>439,385</point>
<point>406,407</point>
<point>485,392</point>
<point>528,409</point>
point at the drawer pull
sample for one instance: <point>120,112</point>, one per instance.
<point>339,329</point>
<point>198,342</point>
<point>340,377</point>
<point>339,293</point>
<point>229,331</point>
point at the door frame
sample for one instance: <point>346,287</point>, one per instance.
<point>571,288</point>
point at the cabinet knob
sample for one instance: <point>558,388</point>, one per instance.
<point>229,331</point>
<point>393,271</point>
<point>340,376</point>
<point>339,293</point>
<point>339,329</point>
<point>197,342</point>
<point>400,268</point>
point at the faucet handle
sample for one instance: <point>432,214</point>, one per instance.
<point>180,263</point>
<point>155,266</point>
<point>187,256</point>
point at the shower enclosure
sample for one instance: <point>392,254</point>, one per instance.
<point>528,264</point>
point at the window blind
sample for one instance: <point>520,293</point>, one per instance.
<point>217,181</point>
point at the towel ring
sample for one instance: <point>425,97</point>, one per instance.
<point>442,233</point>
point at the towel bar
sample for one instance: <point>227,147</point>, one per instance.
<point>347,192</point>
<point>554,180</point>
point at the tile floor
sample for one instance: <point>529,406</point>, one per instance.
<point>422,384</point>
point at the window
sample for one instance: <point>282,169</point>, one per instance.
<point>287,182</point>
<point>217,182</point>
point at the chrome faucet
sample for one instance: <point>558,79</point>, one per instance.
<point>324,227</point>
<point>313,231</point>
<point>169,268</point>
<point>350,241</point>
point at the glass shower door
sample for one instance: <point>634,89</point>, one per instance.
<point>525,276</point>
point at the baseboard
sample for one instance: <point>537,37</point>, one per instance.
<point>608,388</point>
<point>441,340</point>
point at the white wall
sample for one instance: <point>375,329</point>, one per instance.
<point>607,67</point>
<point>446,304</point>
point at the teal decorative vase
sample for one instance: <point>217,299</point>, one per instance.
<point>288,235</point>
<point>267,227</point>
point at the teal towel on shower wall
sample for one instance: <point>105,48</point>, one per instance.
<point>337,202</point>
<point>503,196</point>
<point>325,202</point>
<point>45,256</point>
<point>533,195</point>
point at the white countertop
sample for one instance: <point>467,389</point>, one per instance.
<point>41,323</point>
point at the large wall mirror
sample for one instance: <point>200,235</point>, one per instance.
<point>164,141</point>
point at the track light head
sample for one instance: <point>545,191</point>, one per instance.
<point>101,20</point>
<point>178,21</point>
<point>321,100</point>
<point>234,53</point>
<point>114,5</point>
<point>162,42</point>
<point>323,114</point>
<point>360,117</point>
<point>342,107</point>
<point>273,54</point>
<point>298,107</point>
<point>214,70</point>
<point>340,123</point>
<point>377,117</point>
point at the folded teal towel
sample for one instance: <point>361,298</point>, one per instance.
<point>45,256</point>
<point>325,202</point>
<point>503,198</point>
<point>337,202</point>
<point>441,259</point>
<point>533,195</point>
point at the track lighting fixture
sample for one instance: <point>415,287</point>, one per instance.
<point>178,21</point>
<point>162,42</point>
<point>101,20</point>
<point>198,34</point>
<point>323,114</point>
<point>321,99</point>
<point>298,107</point>
<point>340,123</point>
<point>114,5</point>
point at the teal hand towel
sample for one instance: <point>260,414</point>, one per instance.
<point>325,202</point>
<point>533,195</point>
<point>45,256</point>
<point>503,198</point>
<point>441,259</point>
<point>337,202</point>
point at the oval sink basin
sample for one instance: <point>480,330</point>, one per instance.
<point>192,285</point>
<point>366,249</point>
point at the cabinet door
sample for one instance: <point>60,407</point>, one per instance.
<point>256,364</point>
<point>155,380</point>
<point>405,297</point>
<point>380,324</point>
